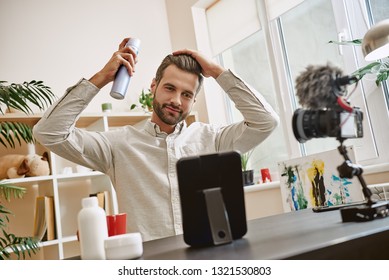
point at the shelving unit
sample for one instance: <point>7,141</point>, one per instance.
<point>67,188</point>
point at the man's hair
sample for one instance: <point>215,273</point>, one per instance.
<point>182,61</point>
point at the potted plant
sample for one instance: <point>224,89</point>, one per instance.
<point>248,174</point>
<point>145,100</point>
<point>19,97</point>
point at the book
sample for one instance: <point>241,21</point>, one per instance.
<point>50,218</point>
<point>40,226</point>
<point>104,200</point>
<point>44,218</point>
<point>108,205</point>
<point>100,198</point>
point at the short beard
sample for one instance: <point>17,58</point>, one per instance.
<point>166,117</point>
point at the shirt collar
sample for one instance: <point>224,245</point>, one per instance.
<point>155,130</point>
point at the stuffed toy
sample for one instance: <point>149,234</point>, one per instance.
<point>19,166</point>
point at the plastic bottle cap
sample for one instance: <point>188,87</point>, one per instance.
<point>89,202</point>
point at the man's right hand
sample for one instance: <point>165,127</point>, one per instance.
<point>124,56</point>
<point>209,67</point>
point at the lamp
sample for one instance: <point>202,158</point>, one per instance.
<point>375,43</point>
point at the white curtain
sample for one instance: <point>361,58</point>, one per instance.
<point>230,21</point>
<point>276,8</point>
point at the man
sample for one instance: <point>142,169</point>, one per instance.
<point>142,163</point>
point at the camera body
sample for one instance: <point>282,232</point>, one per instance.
<point>331,122</point>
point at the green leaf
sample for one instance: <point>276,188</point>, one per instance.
<point>7,190</point>
<point>18,96</point>
<point>383,76</point>
<point>18,245</point>
<point>11,131</point>
<point>371,68</point>
<point>356,42</point>
<point>245,159</point>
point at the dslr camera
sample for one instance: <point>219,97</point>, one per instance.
<point>331,122</point>
<point>321,90</point>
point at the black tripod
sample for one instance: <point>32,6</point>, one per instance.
<point>370,209</point>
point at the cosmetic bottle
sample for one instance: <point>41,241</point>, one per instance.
<point>92,229</point>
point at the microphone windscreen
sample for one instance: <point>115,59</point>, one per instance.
<point>315,87</point>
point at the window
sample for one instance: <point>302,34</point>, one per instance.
<point>249,59</point>
<point>299,37</point>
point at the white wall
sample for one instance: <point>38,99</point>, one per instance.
<point>183,35</point>
<point>61,41</point>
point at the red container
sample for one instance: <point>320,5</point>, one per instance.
<point>117,224</point>
<point>265,173</point>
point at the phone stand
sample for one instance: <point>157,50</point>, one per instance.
<point>217,216</point>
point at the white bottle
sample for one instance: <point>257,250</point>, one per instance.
<point>92,229</point>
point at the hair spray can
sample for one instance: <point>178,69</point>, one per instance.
<point>122,79</point>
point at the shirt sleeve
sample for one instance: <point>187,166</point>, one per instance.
<point>56,130</point>
<point>259,122</point>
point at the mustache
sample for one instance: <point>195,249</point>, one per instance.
<point>174,107</point>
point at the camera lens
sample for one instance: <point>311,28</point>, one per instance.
<point>308,124</point>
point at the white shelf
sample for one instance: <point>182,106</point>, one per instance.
<point>86,175</point>
<point>69,239</point>
<point>67,189</point>
<point>28,180</point>
<point>262,187</point>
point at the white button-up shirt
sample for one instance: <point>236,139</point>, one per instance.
<point>141,163</point>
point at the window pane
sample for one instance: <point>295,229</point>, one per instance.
<point>249,60</point>
<point>380,10</point>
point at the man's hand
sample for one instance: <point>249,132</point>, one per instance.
<point>210,68</point>
<point>124,56</point>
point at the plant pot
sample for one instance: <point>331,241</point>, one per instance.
<point>248,177</point>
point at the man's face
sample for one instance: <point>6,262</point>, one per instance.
<point>174,95</point>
